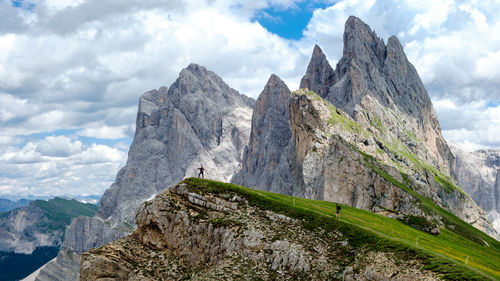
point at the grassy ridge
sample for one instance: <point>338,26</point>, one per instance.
<point>445,253</point>
<point>61,211</point>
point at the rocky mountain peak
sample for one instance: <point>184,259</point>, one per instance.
<point>395,50</point>
<point>377,78</point>
<point>148,103</point>
<point>198,120</point>
<point>265,163</point>
<point>360,41</point>
<point>319,75</point>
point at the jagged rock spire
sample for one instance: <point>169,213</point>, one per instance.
<point>265,163</point>
<point>319,75</point>
<point>369,68</point>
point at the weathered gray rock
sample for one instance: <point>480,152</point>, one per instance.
<point>199,120</point>
<point>333,159</point>
<point>266,162</point>
<point>326,167</point>
<point>319,76</point>
<point>65,267</point>
<point>183,235</point>
<point>478,173</point>
<point>370,68</point>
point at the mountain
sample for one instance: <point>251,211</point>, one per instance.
<point>265,162</point>
<point>370,139</point>
<point>199,120</point>
<point>41,223</point>
<point>371,118</point>
<point>208,230</point>
<point>7,205</point>
<point>479,174</point>
<point>31,235</point>
<point>372,76</point>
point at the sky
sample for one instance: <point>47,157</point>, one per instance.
<point>72,71</point>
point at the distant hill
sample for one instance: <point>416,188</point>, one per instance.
<point>32,235</point>
<point>7,205</point>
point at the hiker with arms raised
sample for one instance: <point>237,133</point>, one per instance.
<point>201,171</point>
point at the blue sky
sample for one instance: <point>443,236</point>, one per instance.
<point>72,71</point>
<point>290,22</point>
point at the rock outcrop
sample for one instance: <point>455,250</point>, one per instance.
<point>478,173</point>
<point>199,120</point>
<point>183,235</point>
<point>266,160</point>
<point>65,267</point>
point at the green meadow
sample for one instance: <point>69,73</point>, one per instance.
<point>445,253</point>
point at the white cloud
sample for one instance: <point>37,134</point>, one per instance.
<point>101,154</point>
<point>13,108</point>
<point>83,64</point>
<point>104,132</point>
<point>58,146</point>
<point>59,165</point>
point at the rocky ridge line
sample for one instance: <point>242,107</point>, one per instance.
<point>191,236</point>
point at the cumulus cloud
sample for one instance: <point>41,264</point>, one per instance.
<point>103,131</point>
<point>58,165</point>
<point>81,65</point>
<point>58,146</point>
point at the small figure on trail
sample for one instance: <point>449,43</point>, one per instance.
<point>201,171</point>
<point>337,214</point>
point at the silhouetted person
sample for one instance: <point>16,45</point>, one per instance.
<point>201,171</point>
<point>337,214</point>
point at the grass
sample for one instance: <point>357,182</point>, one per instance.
<point>60,211</point>
<point>445,253</point>
<point>336,116</point>
<point>459,226</point>
<point>344,122</point>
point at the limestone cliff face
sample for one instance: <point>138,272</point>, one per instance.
<point>183,235</point>
<point>199,120</point>
<point>478,172</point>
<point>369,68</point>
<point>266,161</point>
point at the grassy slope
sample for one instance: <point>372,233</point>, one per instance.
<point>445,253</point>
<point>459,226</point>
<point>61,211</point>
